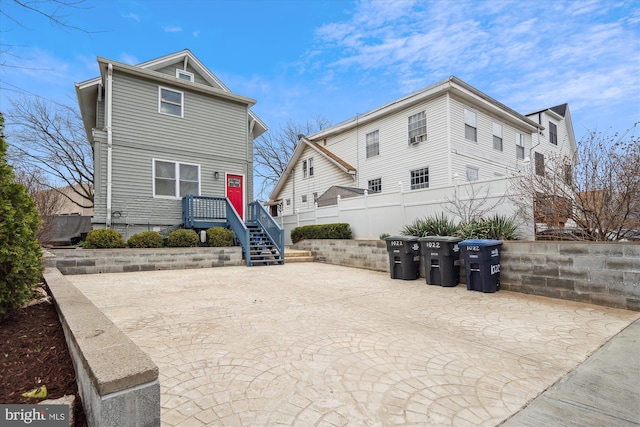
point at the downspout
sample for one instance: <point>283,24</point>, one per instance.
<point>109,113</point>
<point>357,177</point>
<point>449,146</point>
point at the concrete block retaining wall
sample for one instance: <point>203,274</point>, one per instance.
<point>89,261</point>
<point>117,381</point>
<point>600,273</point>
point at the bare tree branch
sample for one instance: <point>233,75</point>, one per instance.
<point>599,193</point>
<point>274,149</point>
<point>49,137</point>
<point>471,202</point>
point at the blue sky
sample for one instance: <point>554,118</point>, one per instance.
<point>338,58</point>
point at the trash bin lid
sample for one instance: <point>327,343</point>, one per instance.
<point>449,239</point>
<point>480,242</point>
<point>402,238</point>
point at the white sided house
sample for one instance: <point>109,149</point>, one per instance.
<point>172,147</point>
<point>413,156</point>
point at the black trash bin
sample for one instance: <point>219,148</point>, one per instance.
<point>482,264</point>
<point>404,257</point>
<point>441,257</point>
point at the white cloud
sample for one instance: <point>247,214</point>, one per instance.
<point>172,29</point>
<point>129,59</point>
<point>584,53</point>
<point>196,33</point>
<point>132,15</point>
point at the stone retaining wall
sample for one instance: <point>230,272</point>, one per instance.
<point>117,381</point>
<point>89,261</point>
<point>600,273</point>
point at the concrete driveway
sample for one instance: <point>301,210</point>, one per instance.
<point>315,344</point>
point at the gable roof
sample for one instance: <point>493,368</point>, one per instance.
<point>304,142</point>
<point>560,112</point>
<point>452,85</point>
<point>87,91</point>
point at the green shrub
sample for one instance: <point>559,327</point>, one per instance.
<point>20,252</point>
<point>383,236</point>
<point>497,227</point>
<point>321,231</point>
<point>182,238</point>
<point>218,237</point>
<point>104,238</point>
<point>146,239</point>
<point>437,225</point>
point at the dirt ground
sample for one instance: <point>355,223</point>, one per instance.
<point>33,352</point>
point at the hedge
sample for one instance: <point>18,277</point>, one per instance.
<point>321,231</point>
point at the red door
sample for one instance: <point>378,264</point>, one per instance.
<point>235,193</point>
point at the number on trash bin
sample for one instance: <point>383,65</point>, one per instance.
<point>495,269</point>
<point>396,243</point>
<point>473,248</point>
<point>434,245</point>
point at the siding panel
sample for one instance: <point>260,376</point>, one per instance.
<point>212,133</point>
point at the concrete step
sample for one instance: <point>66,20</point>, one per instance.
<point>293,255</point>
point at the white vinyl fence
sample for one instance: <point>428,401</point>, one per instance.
<point>374,214</point>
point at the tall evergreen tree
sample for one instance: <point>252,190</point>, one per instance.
<point>20,253</point>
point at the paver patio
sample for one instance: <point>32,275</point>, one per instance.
<point>316,344</point>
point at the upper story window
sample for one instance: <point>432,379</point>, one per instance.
<point>170,101</point>
<point>519,146</point>
<point>470,125</point>
<point>373,143</point>
<point>473,174</point>
<point>553,133</point>
<point>375,185</point>
<point>184,75</point>
<point>174,179</point>
<point>539,160</point>
<point>418,128</point>
<point>497,136</point>
<point>420,178</point>
<point>307,168</point>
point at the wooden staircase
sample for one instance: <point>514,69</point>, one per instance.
<point>262,250</point>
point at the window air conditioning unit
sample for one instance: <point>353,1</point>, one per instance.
<point>416,139</point>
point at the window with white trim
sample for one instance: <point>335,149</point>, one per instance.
<point>375,185</point>
<point>497,136</point>
<point>519,146</point>
<point>170,101</point>
<point>373,143</point>
<point>304,198</point>
<point>473,174</point>
<point>307,168</point>
<point>174,179</point>
<point>184,75</point>
<point>288,202</point>
<point>417,127</point>
<point>470,125</point>
<point>553,133</point>
<point>420,178</point>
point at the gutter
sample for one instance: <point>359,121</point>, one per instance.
<point>109,113</point>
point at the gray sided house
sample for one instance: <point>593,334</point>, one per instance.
<point>170,140</point>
